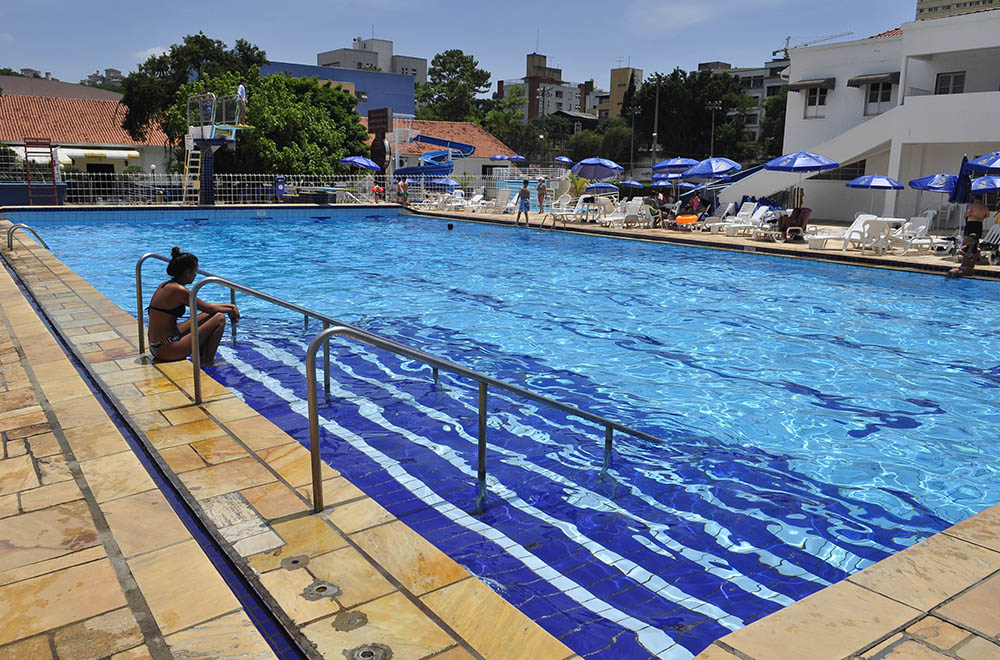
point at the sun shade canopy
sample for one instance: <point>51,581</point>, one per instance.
<point>822,83</point>
<point>873,78</point>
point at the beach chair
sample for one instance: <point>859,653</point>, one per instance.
<point>761,214</point>
<point>913,234</point>
<point>468,204</point>
<point>559,210</point>
<point>743,215</point>
<point>989,247</point>
<point>854,233</point>
<point>499,203</point>
<point>875,235</point>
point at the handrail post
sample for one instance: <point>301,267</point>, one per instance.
<point>138,305</point>
<point>232,301</point>
<point>481,476</point>
<point>317,475</point>
<point>326,363</point>
<point>195,342</point>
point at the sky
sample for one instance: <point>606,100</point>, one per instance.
<point>586,38</point>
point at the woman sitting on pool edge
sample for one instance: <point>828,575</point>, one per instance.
<point>170,341</point>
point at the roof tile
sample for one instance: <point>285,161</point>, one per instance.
<point>68,121</point>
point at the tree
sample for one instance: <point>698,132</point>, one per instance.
<point>685,126</point>
<point>6,71</point>
<point>453,81</point>
<point>616,143</point>
<point>150,92</point>
<point>628,100</point>
<point>584,144</point>
<point>772,127</point>
<point>299,125</point>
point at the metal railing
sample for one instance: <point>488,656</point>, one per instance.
<point>13,228</point>
<point>332,326</point>
<point>138,294</point>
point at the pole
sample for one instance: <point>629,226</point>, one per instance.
<point>711,148</point>
<point>656,123</point>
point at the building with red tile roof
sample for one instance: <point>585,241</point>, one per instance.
<point>87,130</point>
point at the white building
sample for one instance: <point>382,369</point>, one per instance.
<point>761,83</point>
<point>905,103</point>
<point>374,54</point>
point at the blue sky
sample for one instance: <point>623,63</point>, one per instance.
<point>585,38</point>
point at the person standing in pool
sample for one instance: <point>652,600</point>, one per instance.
<point>541,194</point>
<point>170,341</point>
<point>523,204</point>
<point>968,256</point>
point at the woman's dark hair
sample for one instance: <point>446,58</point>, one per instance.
<point>181,262</point>
<point>524,183</point>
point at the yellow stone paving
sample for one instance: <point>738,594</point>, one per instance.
<point>377,580</point>
<point>252,486</point>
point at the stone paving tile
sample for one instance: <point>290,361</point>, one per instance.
<point>274,500</point>
<point>115,476</point>
<point>408,557</point>
<point>879,648</point>
<point>181,586</point>
<point>219,450</point>
<point>391,621</point>
<point>715,653</point>
<point>226,478</point>
<point>46,496</point>
<point>936,632</point>
<point>358,579</point>
<point>81,592</point>
<point>182,458</point>
<point>184,433</point>
<point>94,441</point>
<point>98,637</point>
<point>832,623</point>
<point>978,648</point>
<point>36,648</point>
<point>292,591</point>
<point>982,529</point>
<point>977,609</point>
<point>49,565</point>
<point>308,535</point>
<point>44,534</point>
<point>911,650</point>
<point>17,474</point>
<point>230,637</point>
<point>929,572</point>
<point>351,517</point>
<point>143,522</point>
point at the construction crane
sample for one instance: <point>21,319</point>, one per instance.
<point>788,43</point>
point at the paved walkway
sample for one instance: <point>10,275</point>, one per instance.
<point>94,561</point>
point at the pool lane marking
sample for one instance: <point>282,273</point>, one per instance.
<point>653,639</point>
<point>719,533</point>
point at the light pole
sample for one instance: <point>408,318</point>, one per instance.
<point>542,148</point>
<point>656,123</point>
<point>713,106</point>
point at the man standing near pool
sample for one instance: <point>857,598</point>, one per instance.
<point>523,204</point>
<point>241,99</point>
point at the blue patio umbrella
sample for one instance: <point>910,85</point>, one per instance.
<point>990,163</point>
<point>672,176</point>
<point>446,181</point>
<point>662,183</point>
<point>516,158</point>
<point>941,183</point>
<point>677,165</point>
<point>688,185</point>
<point>361,162</point>
<point>500,157</point>
<point>962,192</point>
<point>875,182</point>
<point>565,160</point>
<point>596,168</point>
<point>601,187</point>
<point>801,161</point>
<point>632,183</point>
<point>711,168</point>
<point>985,184</point>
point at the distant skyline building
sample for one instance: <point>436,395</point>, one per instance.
<point>943,8</point>
<point>110,77</point>
<point>371,54</point>
<point>544,89</point>
<point>620,78</point>
<point>373,90</point>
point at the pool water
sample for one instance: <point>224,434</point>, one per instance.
<point>814,417</point>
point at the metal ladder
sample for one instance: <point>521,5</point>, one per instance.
<point>192,176</point>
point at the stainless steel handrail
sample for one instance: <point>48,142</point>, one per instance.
<point>332,326</point>
<point>439,363</point>
<point>13,228</point>
<point>138,295</point>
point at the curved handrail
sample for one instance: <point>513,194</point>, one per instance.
<point>138,294</point>
<point>13,228</point>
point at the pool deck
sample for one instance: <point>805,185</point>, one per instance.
<point>94,561</point>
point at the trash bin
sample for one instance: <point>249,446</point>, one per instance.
<point>279,186</point>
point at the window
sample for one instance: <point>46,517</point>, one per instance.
<point>559,94</point>
<point>950,83</point>
<point>843,173</point>
<point>360,65</point>
<point>815,103</point>
<point>559,105</point>
<point>879,98</point>
<point>773,91</point>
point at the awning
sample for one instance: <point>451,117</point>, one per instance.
<point>822,83</point>
<point>104,154</point>
<point>42,160</point>
<point>872,78</point>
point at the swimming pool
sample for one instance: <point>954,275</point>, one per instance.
<point>815,417</point>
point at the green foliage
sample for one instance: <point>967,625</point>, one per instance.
<point>299,125</point>
<point>584,145</point>
<point>628,100</point>
<point>577,185</point>
<point>772,128</point>
<point>685,125</point>
<point>108,87</point>
<point>616,144</point>
<point>132,169</point>
<point>150,92</point>
<point>5,71</point>
<point>453,81</point>
<point>372,67</point>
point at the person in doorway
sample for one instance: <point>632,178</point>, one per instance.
<point>523,204</point>
<point>541,194</point>
<point>968,256</point>
<point>241,100</point>
<point>974,216</point>
<point>170,341</point>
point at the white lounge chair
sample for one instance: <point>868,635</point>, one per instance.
<point>627,214</point>
<point>854,233</point>
<point>743,215</point>
<point>875,235</point>
<point>911,235</point>
<point>990,245</point>
<point>499,203</point>
<point>562,208</point>
<point>469,204</point>
<point>745,227</point>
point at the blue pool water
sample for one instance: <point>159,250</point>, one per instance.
<point>814,417</point>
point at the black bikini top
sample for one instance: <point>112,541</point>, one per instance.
<point>176,312</point>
